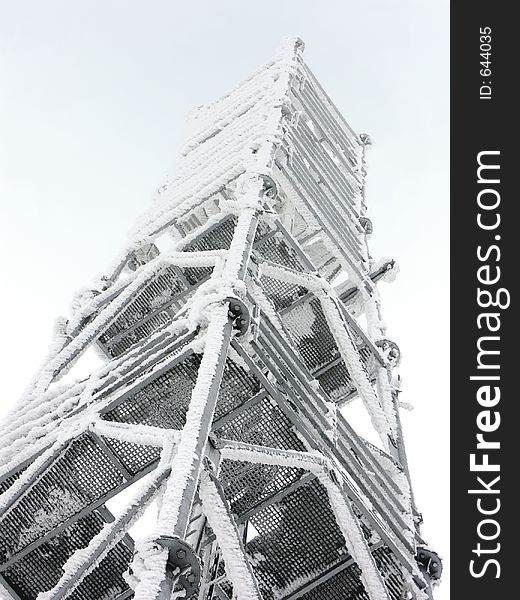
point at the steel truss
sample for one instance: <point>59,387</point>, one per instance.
<point>228,360</point>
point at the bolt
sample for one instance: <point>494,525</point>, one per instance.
<point>181,553</point>
<point>191,577</point>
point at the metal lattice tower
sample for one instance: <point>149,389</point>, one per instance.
<point>230,340</point>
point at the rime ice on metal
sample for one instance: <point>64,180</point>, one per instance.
<point>229,340</point>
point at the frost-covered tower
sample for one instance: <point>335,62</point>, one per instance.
<point>231,343</point>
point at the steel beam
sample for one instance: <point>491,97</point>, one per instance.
<point>343,564</point>
<point>220,519</point>
<point>281,346</point>
<point>232,414</point>
<point>109,453</point>
<point>320,466</point>
<point>386,529</point>
<point>359,476</point>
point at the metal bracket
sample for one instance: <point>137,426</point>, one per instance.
<point>141,256</point>
<point>269,185</point>
<point>429,562</point>
<point>366,224</point>
<point>390,350</point>
<point>182,557</point>
<point>365,139</point>
<point>239,313</point>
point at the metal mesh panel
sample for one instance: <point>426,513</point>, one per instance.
<point>391,571</point>
<point>157,295</point>
<point>216,238</point>
<point>281,294</point>
<point>336,382</point>
<point>308,327</point>
<point>41,569</point>
<point>246,485</point>
<point>314,341</point>
<point>196,274</point>
<point>263,424</point>
<point>278,251</point>
<point>133,456</point>
<point>106,580</point>
<point>80,476</point>
<point>162,402</point>
<point>135,334</point>
<point>8,481</point>
<point>237,386</point>
<point>298,535</point>
<point>347,583</point>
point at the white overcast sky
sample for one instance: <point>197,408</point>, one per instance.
<point>93,98</point>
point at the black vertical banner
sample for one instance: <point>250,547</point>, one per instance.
<point>485,339</point>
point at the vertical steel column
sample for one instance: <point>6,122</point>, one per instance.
<point>181,488</point>
<point>187,462</point>
<point>226,531</point>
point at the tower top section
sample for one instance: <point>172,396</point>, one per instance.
<point>280,115</point>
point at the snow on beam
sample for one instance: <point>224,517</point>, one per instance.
<point>93,329</point>
<point>322,468</point>
<point>181,487</point>
<point>45,406</point>
<point>307,389</point>
<point>357,370</point>
<point>146,435</point>
<point>218,513</point>
<point>98,389</point>
<point>42,409</point>
<point>355,541</point>
<point>252,453</point>
<point>182,484</point>
<point>333,571</point>
<point>393,519</point>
